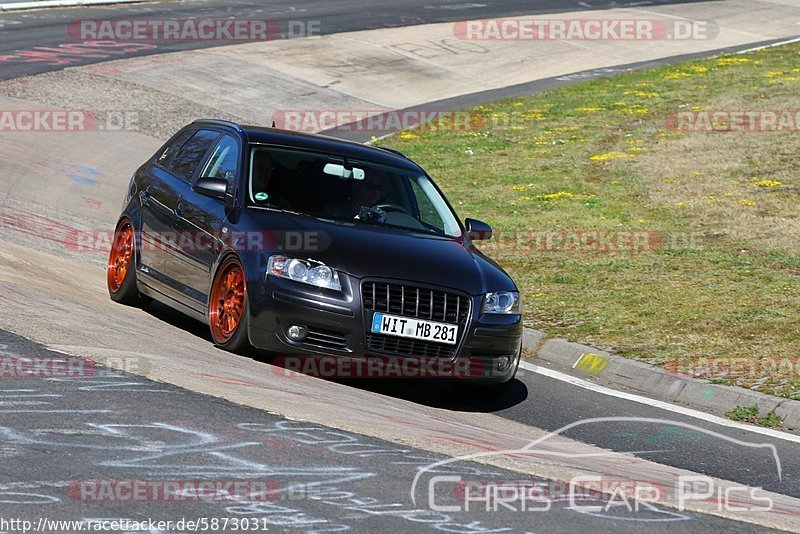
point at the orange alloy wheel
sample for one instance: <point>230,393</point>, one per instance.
<point>119,261</point>
<point>226,305</point>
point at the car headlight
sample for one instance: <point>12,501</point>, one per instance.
<point>505,302</point>
<point>303,271</point>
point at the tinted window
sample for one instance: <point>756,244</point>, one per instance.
<point>188,158</point>
<point>173,146</point>
<point>297,180</point>
<point>427,211</point>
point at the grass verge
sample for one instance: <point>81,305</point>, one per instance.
<point>715,277</point>
<point>749,414</point>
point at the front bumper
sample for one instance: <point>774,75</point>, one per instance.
<point>487,351</point>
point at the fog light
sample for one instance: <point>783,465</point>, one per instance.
<point>503,363</point>
<point>296,332</point>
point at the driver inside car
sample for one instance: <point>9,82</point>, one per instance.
<point>266,172</point>
<point>363,193</point>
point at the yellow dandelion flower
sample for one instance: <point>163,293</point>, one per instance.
<point>643,94</point>
<point>747,203</point>
<point>767,183</point>
<point>731,61</point>
<point>560,195</point>
<point>608,156</point>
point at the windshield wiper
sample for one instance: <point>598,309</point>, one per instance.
<point>377,216</point>
<point>273,207</point>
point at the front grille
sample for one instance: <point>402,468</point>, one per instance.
<point>416,302</point>
<point>324,339</point>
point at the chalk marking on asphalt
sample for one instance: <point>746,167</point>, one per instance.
<point>563,377</point>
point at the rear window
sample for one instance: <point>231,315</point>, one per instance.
<point>186,161</point>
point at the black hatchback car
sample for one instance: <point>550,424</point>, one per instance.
<point>307,245</point>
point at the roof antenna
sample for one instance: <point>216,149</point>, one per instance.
<point>273,124</point>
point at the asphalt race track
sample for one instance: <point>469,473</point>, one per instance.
<point>45,30</point>
<point>165,406</point>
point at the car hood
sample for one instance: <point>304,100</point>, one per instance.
<point>363,250</point>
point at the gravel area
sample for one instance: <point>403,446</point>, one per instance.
<point>154,113</point>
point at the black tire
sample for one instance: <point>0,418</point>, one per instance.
<point>121,267</point>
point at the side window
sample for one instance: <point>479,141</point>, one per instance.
<point>190,156</point>
<point>427,212</point>
<point>176,143</point>
<point>223,161</point>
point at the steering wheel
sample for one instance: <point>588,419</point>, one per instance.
<point>391,207</point>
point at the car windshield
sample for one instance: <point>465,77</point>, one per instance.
<point>343,189</point>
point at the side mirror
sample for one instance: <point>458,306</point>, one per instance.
<point>211,187</point>
<point>214,188</point>
<point>478,230</point>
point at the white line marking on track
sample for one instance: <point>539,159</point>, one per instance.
<point>563,377</point>
<point>789,41</point>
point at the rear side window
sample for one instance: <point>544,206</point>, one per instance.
<point>168,151</point>
<point>186,161</point>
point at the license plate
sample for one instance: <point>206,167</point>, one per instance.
<point>394,325</point>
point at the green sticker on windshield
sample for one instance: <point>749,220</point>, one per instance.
<point>261,196</point>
